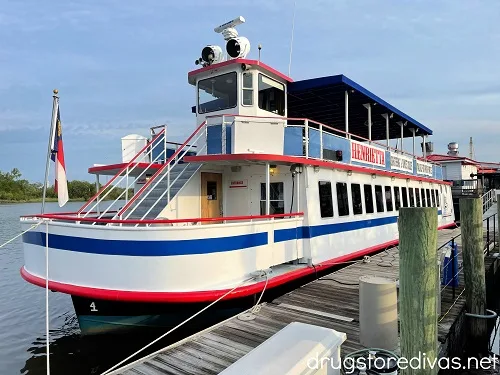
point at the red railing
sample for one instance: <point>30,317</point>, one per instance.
<point>120,172</point>
<point>162,221</point>
<point>68,213</point>
<point>159,171</point>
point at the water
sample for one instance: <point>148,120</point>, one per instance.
<point>22,317</point>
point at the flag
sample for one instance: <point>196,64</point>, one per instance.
<point>57,156</point>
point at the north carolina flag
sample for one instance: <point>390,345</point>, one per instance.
<point>57,155</point>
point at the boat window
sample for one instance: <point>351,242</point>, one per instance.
<point>429,200</point>
<point>247,89</point>
<point>405,197</point>
<point>325,198</point>
<point>368,199</point>
<point>357,201</point>
<point>342,199</point>
<point>412,197</point>
<point>271,95</point>
<point>424,199</point>
<point>388,198</point>
<point>433,195</point>
<point>276,198</point>
<point>379,199</point>
<point>397,198</point>
<point>437,198</point>
<point>417,197</point>
<point>217,93</point>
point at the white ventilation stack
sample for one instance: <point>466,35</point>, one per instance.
<point>453,149</point>
<point>378,313</point>
<point>131,145</point>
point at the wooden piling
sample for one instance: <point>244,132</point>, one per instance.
<point>418,285</point>
<point>471,214</point>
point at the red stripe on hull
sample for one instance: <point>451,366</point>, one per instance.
<point>200,296</point>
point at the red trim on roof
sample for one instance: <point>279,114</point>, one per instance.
<point>241,61</point>
<point>305,161</point>
<point>110,167</point>
<point>445,158</point>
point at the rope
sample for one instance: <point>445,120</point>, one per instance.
<point>257,307</point>
<point>20,234</point>
<point>454,303</point>
<point>177,326</point>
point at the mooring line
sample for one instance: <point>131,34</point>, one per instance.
<point>20,234</point>
<point>177,326</point>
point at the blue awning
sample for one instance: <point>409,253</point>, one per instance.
<point>323,99</point>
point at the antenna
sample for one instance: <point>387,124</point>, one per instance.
<point>471,149</point>
<point>291,39</point>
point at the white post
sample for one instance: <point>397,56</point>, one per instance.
<point>386,116</point>
<point>402,137</point>
<point>97,187</point>
<point>347,114</point>
<point>165,144</point>
<point>168,183</point>
<point>223,135</point>
<point>321,141</point>
<point>424,152</point>
<point>306,128</point>
<point>369,107</point>
<point>413,131</point>
<point>47,331</point>
<point>268,187</point>
<point>126,186</point>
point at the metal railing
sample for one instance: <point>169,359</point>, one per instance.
<point>307,124</point>
<point>167,168</point>
<point>490,227</point>
<point>489,198</point>
<point>141,156</point>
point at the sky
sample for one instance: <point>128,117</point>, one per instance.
<point>121,66</point>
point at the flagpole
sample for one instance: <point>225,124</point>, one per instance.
<point>55,105</point>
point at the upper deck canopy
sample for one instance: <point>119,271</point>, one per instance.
<point>323,99</point>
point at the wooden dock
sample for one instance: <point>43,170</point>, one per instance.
<point>331,301</point>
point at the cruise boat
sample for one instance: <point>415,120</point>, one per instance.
<point>278,180</point>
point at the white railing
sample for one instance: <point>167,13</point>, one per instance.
<point>169,165</point>
<point>125,173</point>
<point>308,124</point>
<point>489,198</point>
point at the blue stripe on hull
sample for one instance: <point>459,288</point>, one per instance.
<point>197,246</point>
<point>281,235</point>
<point>147,248</point>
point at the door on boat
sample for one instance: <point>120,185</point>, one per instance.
<point>211,195</point>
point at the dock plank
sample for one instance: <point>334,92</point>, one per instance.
<point>324,302</point>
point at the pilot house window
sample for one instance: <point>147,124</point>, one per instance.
<point>271,95</point>
<point>247,89</point>
<point>276,198</point>
<point>217,93</point>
